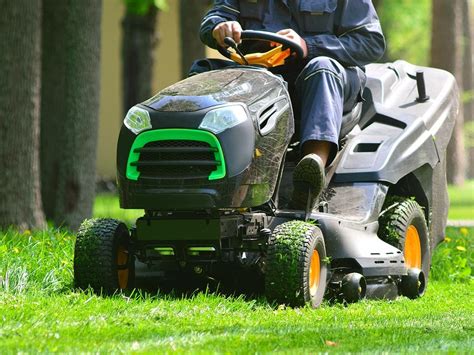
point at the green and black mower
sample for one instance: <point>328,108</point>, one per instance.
<point>210,161</point>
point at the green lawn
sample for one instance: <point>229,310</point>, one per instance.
<point>107,205</point>
<point>462,201</point>
<point>76,322</point>
<point>41,312</point>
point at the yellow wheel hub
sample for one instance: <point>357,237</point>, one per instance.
<point>412,248</point>
<point>314,273</point>
<point>122,272</point>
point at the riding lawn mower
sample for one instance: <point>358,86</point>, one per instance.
<point>210,161</point>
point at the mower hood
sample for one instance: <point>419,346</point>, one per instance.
<point>203,91</point>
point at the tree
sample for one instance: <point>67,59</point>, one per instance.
<point>139,39</point>
<point>191,13</point>
<point>53,70</point>
<point>20,28</point>
<point>70,108</point>
<point>468,81</point>
<point>446,53</point>
<point>468,60</point>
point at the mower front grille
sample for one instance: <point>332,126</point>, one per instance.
<point>172,155</point>
<point>176,159</point>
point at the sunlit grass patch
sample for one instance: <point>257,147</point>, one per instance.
<point>461,201</point>
<point>453,260</point>
<point>40,260</point>
<point>107,205</point>
<point>206,323</point>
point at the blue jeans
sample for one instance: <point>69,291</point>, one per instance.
<point>321,92</point>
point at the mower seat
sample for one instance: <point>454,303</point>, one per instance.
<point>350,119</point>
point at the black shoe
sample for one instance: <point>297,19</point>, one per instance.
<point>308,182</point>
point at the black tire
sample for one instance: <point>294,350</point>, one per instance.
<point>403,219</point>
<point>102,257</point>
<point>413,284</point>
<point>294,249</point>
<point>354,287</point>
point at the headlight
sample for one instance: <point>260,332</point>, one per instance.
<point>137,120</point>
<point>220,119</point>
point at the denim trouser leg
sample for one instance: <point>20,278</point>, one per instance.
<point>324,90</point>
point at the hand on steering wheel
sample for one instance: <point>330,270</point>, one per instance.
<point>293,36</point>
<point>230,29</point>
<point>287,46</point>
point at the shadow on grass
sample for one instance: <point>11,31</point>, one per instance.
<point>186,287</point>
<point>244,285</point>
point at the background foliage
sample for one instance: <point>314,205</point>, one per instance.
<point>141,7</point>
<point>407,26</point>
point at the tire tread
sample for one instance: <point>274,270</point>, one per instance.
<point>289,248</point>
<point>393,226</point>
<point>94,258</point>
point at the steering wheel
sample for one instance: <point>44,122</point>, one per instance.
<point>275,57</point>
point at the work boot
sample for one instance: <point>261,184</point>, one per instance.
<point>308,182</point>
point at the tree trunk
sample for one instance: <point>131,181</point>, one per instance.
<point>139,39</point>
<point>53,102</point>
<point>446,53</point>
<point>20,36</point>
<point>70,108</point>
<point>191,13</point>
<point>468,82</point>
<point>468,76</point>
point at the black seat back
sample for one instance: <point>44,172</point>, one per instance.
<point>350,120</point>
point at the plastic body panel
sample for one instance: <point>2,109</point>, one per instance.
<point>399,134</point>
<point>253,150</point>
<point>350,228</point>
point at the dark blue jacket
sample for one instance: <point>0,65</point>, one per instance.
<point>346,30</point>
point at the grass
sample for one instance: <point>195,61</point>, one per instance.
<point>78,322</point>
<point>462,201</point>
<point>41,312</point>
<point>453,259</point>
<point>107,205</point>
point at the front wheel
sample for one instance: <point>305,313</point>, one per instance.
<point>296,270</point>
<point>102,256</point>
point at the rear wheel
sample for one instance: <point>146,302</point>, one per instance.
<point>102,256</point>
<point>296,270</point>
<point>404,226</point>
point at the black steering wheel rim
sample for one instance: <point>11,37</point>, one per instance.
<point>269,37</point>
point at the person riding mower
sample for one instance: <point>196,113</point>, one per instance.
<point>211,160</point>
